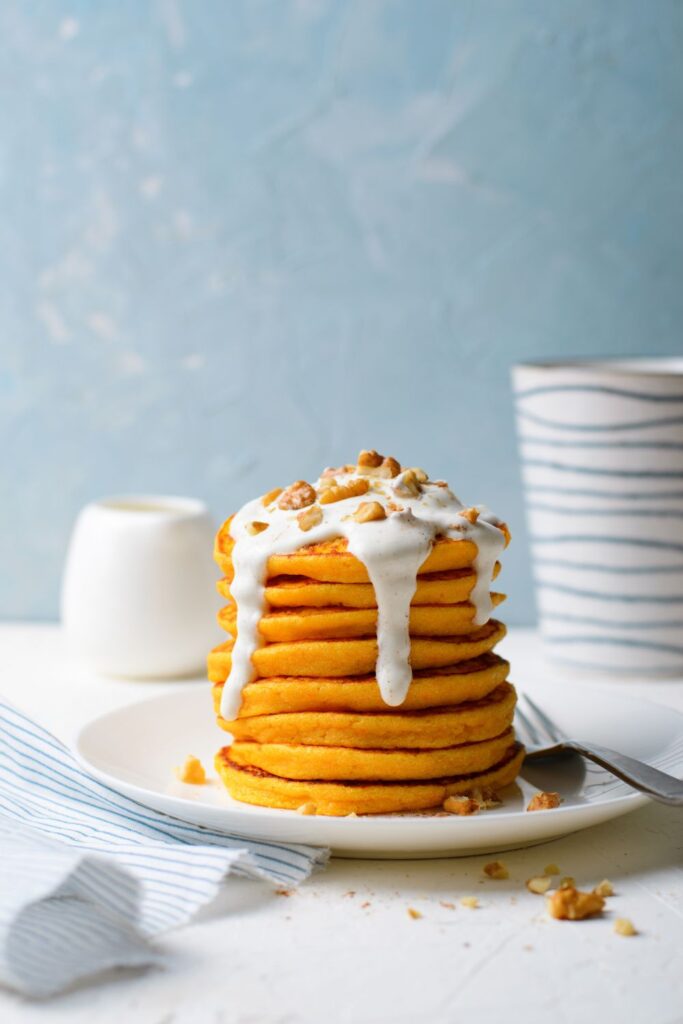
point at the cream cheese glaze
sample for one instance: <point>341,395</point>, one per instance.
<point>391,549</point>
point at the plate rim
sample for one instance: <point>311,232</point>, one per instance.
<point>622,804</point>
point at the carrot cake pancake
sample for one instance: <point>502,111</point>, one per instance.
<point>359,673</point>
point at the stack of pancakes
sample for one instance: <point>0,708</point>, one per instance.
<point>313,732</point>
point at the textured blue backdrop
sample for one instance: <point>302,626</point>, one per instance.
<point>240,240</point>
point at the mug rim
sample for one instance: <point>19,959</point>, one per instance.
<point>146,507</point>
<point>663,367</point>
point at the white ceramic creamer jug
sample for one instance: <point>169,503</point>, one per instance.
<point>138,594</point>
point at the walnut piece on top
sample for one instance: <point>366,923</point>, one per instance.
<point>371,463</point>
<point>353,489</point>
<point>297,495</point>
<point>368,512</point>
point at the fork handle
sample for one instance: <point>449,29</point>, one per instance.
<point>662,787</point>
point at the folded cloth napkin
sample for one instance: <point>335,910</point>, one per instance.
<point>88,876</point>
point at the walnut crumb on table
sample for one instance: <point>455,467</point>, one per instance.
<point>497,870</point>
<point>414,914</point>
<point>469,901</point>
<point>624,926</point>
<point>572,905</point>
<point>605,888</point>
<point>539,884</point>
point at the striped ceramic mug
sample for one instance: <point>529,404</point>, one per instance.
<point>601,445</point>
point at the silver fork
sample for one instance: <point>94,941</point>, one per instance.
<point>543,738</point>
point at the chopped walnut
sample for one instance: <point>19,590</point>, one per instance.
<point>255,527</point>
<point>605,888</point>
<point>539,885</point>
<point>415,914</point>
<point>551,869</point>
<point>544,801</point>
<point>335,471</point>
<point>371,463</point>
<point>393,507</point>
<point>353,489</point>
<point>460,805</point>
<point>270,497</point>
<point>406,485</point>
<point>470,514</point>
<point>297,495</point>
<point>327,482</point>
<point>496,869</point>
<point>486,798</point>
<point>390,467</point>
<point>470,901</point>
<point>310,517</point>
<point>368,512</point>
<point>419,474</point>
<point>567,882</point>
<point>624,926</point>
<point>571,905</point>
<point>307,808</point>
<point>192,771</point>
<point>369,459</point>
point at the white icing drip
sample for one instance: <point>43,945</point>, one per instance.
<point>392,551</point>
<point>394,580</point>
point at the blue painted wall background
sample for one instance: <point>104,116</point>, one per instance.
<point>240,240</point>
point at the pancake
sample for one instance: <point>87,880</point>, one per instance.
<point>346,623</point>
<point>330,561</point>
<point>304,761</point>
<point>431,688</point>
<point>436,727</point>
<point>254,786</point>
<point>302,592</point>
<point>336,658</point>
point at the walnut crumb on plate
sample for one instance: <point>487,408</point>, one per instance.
<point>192,771</point>
<point>460,805</point>
<point>544,802</point>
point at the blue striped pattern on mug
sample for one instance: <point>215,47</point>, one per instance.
<point>602,462</point>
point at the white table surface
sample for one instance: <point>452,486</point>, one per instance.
<point>343,949</point>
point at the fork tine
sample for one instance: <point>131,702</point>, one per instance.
<point>527,727</point>
<point>553,731</point>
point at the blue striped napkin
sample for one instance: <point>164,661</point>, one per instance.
<point>88,877</point>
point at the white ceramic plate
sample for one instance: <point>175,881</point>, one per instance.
<point>135,749</point>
